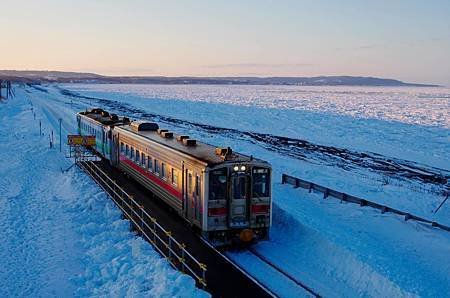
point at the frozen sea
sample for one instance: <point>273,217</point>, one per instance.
<point>403,122</point>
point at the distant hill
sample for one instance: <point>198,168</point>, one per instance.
<point>76,77</point>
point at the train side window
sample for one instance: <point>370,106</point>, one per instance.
<point>121,147</point>
<point>174,177</point>
<point>138,157</point>
<point>156,167</point>
<point>127,150</point>
<point>150,164</point>
<point>132,153</point>
<point>143,161</point>
<point>197,185</point>
<point>163,170</point>
<point>190,183</point>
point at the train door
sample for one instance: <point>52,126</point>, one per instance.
<point>192,196</point>
<point>197,198</point>
<point>189,195</point>
<point>238,203</point>
<point>115,149</point>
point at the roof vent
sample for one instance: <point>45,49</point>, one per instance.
<point>114,117</point>
<point>167,134</point>
<point>143,126</point>
<point>160,130</point>
<point>224,152</point>
<point>182,137</point>
<point>189,142</point>
<point>105,114</point>
<point>126,120</point>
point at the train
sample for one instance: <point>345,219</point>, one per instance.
<point>225,195</point>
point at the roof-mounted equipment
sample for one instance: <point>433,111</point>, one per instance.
<point>96,111</point>
<point>143,126</point>
<point>224,152</point>
<point>189,142</point>
<point>166,134</point>
<point>180,138</point>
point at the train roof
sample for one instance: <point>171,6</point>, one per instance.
<point>103,117</point>
<point>201,151</point>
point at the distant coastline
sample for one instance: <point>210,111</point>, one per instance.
<point>76,77</point>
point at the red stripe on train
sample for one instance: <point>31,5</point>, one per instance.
<point>152,177</point>
<point>217,211</point>
<point>260,208</point>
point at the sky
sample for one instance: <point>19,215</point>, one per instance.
<point>400,39</point>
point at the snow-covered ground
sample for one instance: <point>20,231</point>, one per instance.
<point>60,236</point>
<point>337,249</point>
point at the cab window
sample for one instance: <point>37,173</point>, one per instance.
<point>261,182</point>
<point>218,184</point>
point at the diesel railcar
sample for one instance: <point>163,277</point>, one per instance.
<point>226,195</point>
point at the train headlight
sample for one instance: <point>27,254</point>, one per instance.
<point>236,168</point>
<point>243,168</point>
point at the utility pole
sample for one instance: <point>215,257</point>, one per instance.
<point>60,137</point>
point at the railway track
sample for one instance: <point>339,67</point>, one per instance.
<point>308,290</point>
<point>284,273</point>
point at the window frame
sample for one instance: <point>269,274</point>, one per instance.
<point>137,156</point>
<point>174,176</point>
<point>143,160</point>
<point>197,185</point>
<point>149,164</point>
<point>157,169</point>
<point>163,171</point>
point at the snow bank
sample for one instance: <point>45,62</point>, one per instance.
<point>59,234</point>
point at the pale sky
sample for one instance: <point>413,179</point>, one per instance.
<point>406,40</point>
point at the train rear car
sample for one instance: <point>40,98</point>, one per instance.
<point>99,123</point>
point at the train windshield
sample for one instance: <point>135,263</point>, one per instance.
<point>218,184</point>
<point>261,182</point>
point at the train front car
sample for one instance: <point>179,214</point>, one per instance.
<point>226,195</point>
<point>239,199</point>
